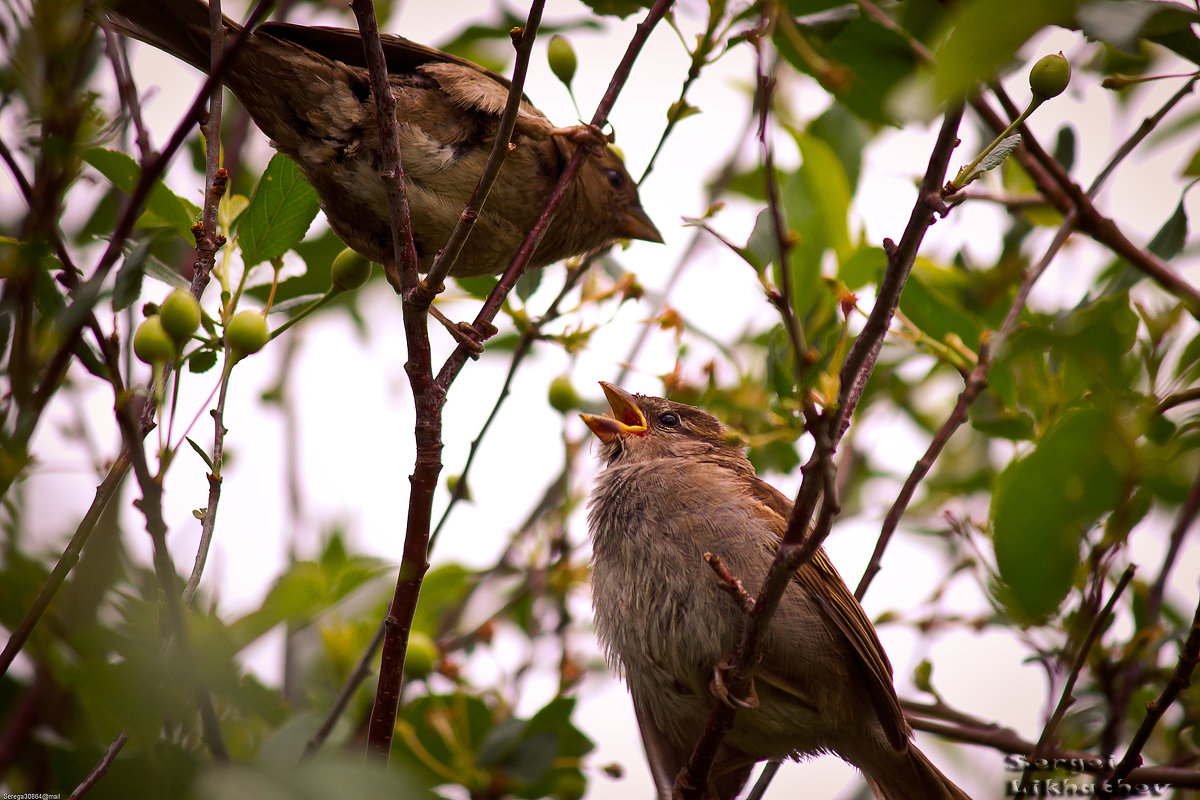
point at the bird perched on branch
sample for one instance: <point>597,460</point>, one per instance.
<point>307,88</point>
<point>676,486</point>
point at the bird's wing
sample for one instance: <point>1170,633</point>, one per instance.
<point>821,581</point>
<point>468,85</point>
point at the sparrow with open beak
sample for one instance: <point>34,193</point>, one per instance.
<point>307,88</point>
<point>677,485</point>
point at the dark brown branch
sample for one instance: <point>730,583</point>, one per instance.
<point>523,348</point>
<point>427,396</point>
<point>799,544</point>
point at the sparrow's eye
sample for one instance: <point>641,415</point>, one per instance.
<point>616,178</point>
<point>668,419</point>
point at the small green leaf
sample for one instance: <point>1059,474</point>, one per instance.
<point>479,286</point>
<point>282,208</point>
<point>128,286</point>
<point>202,361</point>
<point>200,452</point>
<point>163,207</point>
<point>1168,242</point>
<point>997,155</point>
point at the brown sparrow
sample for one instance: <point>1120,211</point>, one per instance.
<point>307,88</point>
<point>675,486</point>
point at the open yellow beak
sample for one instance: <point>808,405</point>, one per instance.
<point>626,419</point>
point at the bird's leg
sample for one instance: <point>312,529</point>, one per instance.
<point>583,135</point>
<point>719,687</point>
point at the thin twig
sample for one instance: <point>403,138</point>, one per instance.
<point>1067,698</point>
<point>491,306</point>
<point>976,382</point>
<point>524,346</point>
<point>101,768</point>
<point>1181,679</point>
<point>1187,516</point>
<point>107,489</point>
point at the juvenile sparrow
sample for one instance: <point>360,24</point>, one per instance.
<point>307,88</point>
<point>675,486</point>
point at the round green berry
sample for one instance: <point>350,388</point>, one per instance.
<point>562,395</point>
<point>1049,76</point>
<point>349,271</point>
<point>562,59</point>
<point>180,315</point>
<point>422,655</point>
<point>246,333</point>
<point>151,343</point>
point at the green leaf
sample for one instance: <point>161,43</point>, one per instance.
<point>163,208</point>
<point>319,778</point>
<point>1168,242</point>
<point>202,361</point>
<point>282,208</point>
<point>479,286</point>
<point>1122,23</point>
<point>200,452</point>
<point>616,8</point>
<point>936,311</point>
<point>873,58</point>
<point>816,202</point>
<point>1045,501</point>
<point>985,34</point>
<point>128,286</point>
<point>867,265</point>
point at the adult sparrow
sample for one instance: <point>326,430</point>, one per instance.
<point>307,88</point>
<point>675,486</point>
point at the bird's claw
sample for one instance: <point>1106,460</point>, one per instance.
<point>469,336</point>
<point>719,688</point>
<point>581,134</point>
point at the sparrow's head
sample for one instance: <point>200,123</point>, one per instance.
<point>601,206</point>
<point>643,428</point>
<point>612,190</point>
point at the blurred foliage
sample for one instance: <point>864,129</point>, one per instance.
<point>1084,439</point>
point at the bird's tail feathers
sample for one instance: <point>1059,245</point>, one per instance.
<point>912,776</point>
<point>179,27</point>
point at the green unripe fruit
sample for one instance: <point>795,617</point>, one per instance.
<point>180,315</point>
<point>151,343</point>
<point>562,395</point>
<point>562,59</point>
<point>1049,76</point>
<point>246,333</point>
<point>568,786</point>
<point>421,657</point>
<point>349,271</point>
